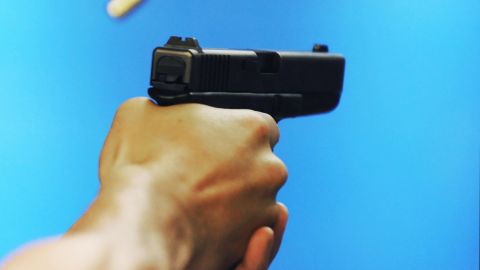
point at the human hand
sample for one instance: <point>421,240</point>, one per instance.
<point>214,166</point>
<point>263,245</point>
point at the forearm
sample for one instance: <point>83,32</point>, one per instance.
<point>126,227</point>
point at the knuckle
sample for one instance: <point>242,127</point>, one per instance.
<point>277,172</point>
<point>131,106</point>
<point>258,125</point>
<point>262,131</point>
<point>134,103</point>
<point>273,212</point>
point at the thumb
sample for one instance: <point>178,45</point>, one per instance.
<point>259,250</point>
<point>118,8</point>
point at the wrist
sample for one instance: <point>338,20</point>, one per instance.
<point>140,221</point>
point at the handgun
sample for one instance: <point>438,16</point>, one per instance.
<point>280,83</point>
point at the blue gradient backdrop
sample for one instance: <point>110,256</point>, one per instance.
<point>390,180</point>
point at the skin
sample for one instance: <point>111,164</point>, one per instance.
<point>182,187</point>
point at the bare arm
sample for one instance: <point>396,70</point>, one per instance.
<point>181,188</point>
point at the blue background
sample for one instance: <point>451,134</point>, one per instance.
<point>390,180</point>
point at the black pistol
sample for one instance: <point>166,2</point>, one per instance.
<point>280,83</point>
